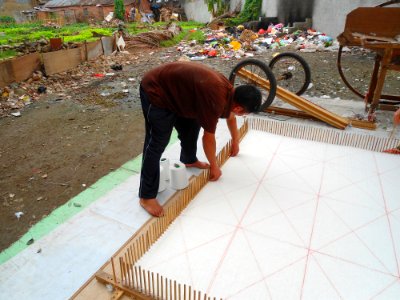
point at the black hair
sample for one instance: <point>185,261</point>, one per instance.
<point>249,97</point>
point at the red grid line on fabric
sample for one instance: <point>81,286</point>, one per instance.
<point>186,252</point>
<point>241,220</point>
<point>386,288</point>
<point>190,249</point>
<point>387,217</point>
<point>358,237</point>
<point>266,277</point>
<point>327,277</point>
<point>312,232</point>
<point>353,263</point>
<point>257,262</point>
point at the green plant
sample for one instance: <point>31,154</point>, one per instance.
<point>251,11</point>
<point>7,54</point>
<point>7,19</point>
<point>119,9</point>
<point>216,7</point>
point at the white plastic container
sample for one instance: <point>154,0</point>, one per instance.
<point>179,179</point>
<point>162,185</point>
<point>164,162</point>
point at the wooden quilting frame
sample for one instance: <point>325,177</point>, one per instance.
<point>129,281</point>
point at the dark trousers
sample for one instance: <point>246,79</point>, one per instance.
<point>159,124</point>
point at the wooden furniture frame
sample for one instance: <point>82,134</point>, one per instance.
<point>376,29</point>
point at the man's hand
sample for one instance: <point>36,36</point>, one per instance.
<point>209,146</point>
<point>215,173</point>
<point>235,148</point>
<point>396,117</point>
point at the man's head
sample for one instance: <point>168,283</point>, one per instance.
<point>247,99</point>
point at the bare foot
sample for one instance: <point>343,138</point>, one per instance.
<point>152,207</point>
<point>198,164</point>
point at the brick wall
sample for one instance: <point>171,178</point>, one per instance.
<point>79,14</point>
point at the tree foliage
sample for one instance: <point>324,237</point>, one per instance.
<point>217,7</point>
<point>119,9</point>
<point>251,11</point>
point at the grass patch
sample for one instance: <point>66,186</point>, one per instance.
<point>7,54</point>
<point>18,33</point>
<point>29,32</point>
<point>190,31</point>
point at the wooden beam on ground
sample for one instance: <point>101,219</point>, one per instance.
<point>298,102</point>
<point>303,115</point>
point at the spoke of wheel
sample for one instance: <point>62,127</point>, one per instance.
<point>289,74</point>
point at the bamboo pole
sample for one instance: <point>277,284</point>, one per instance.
<point>298,102</point>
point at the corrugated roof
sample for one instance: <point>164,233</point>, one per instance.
<point>66,3</point>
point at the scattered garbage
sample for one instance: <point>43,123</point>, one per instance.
<point>240,42</point>
<point>116,67</point>
<point>30,242</point>
<point>19,214</point>
<point>16,114</point>
<point>42,89</point>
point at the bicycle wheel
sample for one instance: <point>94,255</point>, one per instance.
<point>291,72</point>
<point>255,72</point>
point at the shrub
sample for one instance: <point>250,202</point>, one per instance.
<point>7,19</point>
<point>119,9</point>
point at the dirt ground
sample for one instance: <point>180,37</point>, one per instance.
<point>60,145</point>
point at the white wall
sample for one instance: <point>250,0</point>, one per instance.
<point>196,10</point>
<point>330,16</point>
<point>269,8</point>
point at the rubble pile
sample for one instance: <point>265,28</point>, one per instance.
<point>42,46</point>
<point>152,38</point>
<point>18,95</point>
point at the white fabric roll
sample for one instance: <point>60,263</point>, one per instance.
<point>179,179</point>
<point>164,162</point>
<point>162,185</point>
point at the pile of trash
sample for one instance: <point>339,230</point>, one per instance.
<point>238,42</point>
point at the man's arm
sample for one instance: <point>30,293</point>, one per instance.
<point>210,148</point>
<point>232,125</point>
<point>396,117</point>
